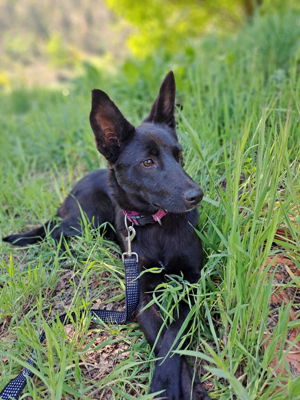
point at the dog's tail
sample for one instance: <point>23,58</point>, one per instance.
<point>34,236</point>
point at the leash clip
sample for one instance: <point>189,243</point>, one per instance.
<point>131,235</point>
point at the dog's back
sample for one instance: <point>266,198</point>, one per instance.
<point>91,196</point>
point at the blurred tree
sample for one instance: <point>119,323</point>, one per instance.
<point>172,23</point>
<point>175,24</point>
<point>249,6</point>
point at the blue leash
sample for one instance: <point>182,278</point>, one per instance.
<point>13,389</point>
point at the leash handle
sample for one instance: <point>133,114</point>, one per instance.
<point>13,390</point>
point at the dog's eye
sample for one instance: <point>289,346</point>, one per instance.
<point>148,163</point>
<point>180,158</point>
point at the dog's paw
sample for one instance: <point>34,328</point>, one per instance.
<point>191,387</point>
<point>166,378</point>
<point>176,379</point>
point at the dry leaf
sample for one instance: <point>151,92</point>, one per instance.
<point>286,272</point>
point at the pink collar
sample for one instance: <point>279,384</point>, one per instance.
<point>141,220</point>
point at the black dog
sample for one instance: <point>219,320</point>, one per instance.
<point>145,175</point>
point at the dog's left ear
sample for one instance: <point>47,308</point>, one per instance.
<point>111,129</point>
<point>163,108</point>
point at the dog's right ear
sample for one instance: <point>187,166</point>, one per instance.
<point>111,129</point>
<point>163,108</point>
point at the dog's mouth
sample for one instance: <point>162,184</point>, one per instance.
<point>179,207</point>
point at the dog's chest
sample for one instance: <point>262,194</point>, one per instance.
<point>174,247</point>
<point>175,251</point>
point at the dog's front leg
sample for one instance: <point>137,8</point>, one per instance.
<point>173,373</point>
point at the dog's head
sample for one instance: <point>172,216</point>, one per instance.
<point>147,160</point>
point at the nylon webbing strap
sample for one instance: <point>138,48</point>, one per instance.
<point>13,389</point>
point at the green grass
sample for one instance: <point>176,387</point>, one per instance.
<point>240,116</point>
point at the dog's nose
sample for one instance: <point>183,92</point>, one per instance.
<point>193,196</point>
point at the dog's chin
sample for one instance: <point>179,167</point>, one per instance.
<point>175,209</point>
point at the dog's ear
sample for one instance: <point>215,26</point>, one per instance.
<point>111,129</point>
<point>163,108</point>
